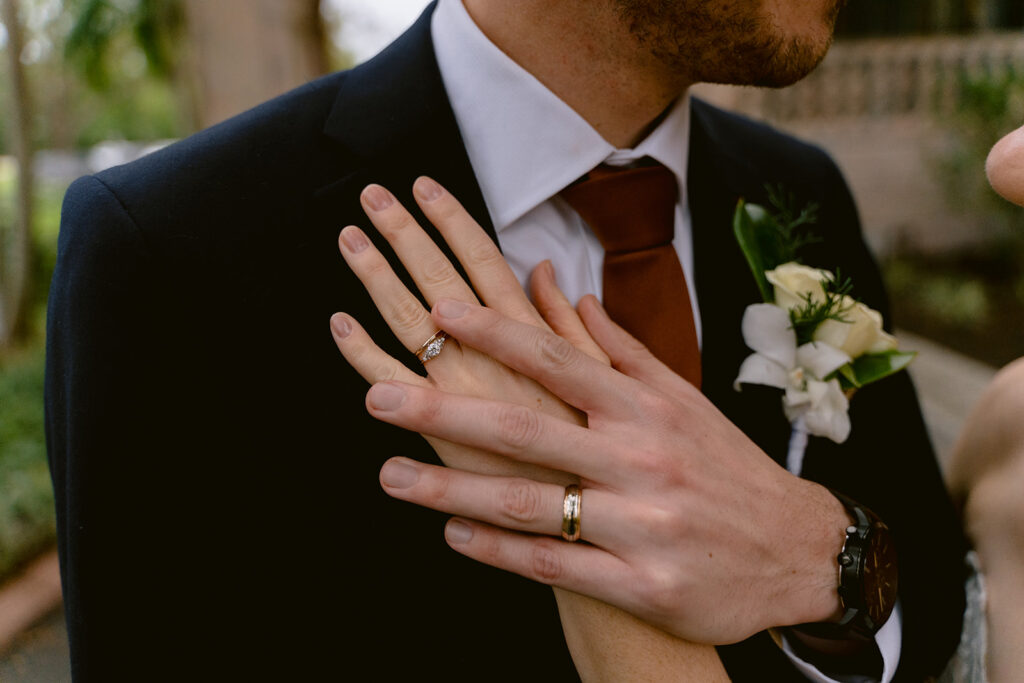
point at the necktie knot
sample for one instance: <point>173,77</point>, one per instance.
<point>628,209</point>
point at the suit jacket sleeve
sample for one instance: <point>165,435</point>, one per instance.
<point>102,328</point>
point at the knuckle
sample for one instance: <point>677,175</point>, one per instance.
<point>374,267</point>
<point>408,314</point>
<point>556,351</point>
<point>635,347</point>
<point>657,589</point>
<point>428,413</point>
<point>438,272</point>
<point>544,562</point>
<point>446,210</point>
<point>398,224</point>
<point>666,524</point>
<point>490,550</point>
<point>655,407</point>
<point>384,371</point>
<point>434,488</point>
<point>647,461</point>
<point>482,253</point>
<point>518,427</point>
<point>521,501</point>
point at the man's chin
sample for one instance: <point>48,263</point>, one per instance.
<point>780,69</point>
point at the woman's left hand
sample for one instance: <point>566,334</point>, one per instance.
<point>457,369</point>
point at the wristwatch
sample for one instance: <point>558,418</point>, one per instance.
<point>868,578</point>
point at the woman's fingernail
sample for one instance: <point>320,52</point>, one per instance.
<point>385,396</point>
<point>426,189</point>
<point>458,532</point>
<point>341,326</point>
<point>354,239</point>
<point>550,270</point>
<point>398,474</point>
<point>377,197</point>
<point>450,308</point>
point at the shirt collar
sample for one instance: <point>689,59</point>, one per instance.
<point>525,144</point>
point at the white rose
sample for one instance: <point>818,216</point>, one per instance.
<point>861,333</point>
<point>793,282</point>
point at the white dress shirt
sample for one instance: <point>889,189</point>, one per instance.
<point>526,145</point>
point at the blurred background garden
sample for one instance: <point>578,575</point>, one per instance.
<point>909,101</point>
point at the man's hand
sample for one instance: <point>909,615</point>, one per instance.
<point>688,524</point>
<point>606,644</point>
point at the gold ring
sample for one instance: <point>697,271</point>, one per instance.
<point>432,347</point>
<point>571,505</point>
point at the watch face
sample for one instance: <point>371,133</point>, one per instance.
<point>879,583</point>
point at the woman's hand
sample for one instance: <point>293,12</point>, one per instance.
<point>457,369</point>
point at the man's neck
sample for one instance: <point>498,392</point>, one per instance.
<point>583,54</point>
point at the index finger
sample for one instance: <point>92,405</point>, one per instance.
<point>567,372</point>
<point>429,268</point>
<point>490,274</point>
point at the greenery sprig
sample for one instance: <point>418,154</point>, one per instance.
<point>837,302</point>
<point>770,238</point>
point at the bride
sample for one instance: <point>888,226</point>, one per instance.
<point>987,474</point>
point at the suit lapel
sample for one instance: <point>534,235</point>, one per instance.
<point>393,120</point>
<point>719,174</point>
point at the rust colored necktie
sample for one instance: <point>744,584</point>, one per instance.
<point>632,213</point>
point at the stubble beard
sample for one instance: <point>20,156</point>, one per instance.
<point>727,41</point>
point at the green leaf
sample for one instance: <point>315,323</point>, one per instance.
<point>746,222</point>
<point>872,367</point>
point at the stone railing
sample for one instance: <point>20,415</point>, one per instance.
<point>882,78</point>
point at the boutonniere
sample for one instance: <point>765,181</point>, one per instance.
<point>810,337</point>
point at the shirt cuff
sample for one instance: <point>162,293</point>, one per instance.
<point>888,640</point>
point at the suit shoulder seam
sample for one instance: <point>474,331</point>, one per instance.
<point>128,214</point>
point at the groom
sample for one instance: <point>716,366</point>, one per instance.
<point>214,464</point>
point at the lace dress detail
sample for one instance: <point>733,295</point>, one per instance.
<point>968,664</point>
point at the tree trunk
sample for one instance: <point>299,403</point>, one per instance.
<point>16,240</point>
<point>246,51</point>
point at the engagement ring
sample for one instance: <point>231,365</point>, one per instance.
<point>432,347</point>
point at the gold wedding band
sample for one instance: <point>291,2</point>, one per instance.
<point>571,505</point>
<point>432,347</point>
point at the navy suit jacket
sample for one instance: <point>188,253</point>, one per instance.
<point>215,468</point>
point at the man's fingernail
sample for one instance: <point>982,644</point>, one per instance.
<point>458,532</point>
<point>450,308</point>
<point>398,474</point>
<point>385,397</point>
<point>597,304</point>
<point>354,239</point>
<point>426,189</point>
<point>377,197</point>
<point>341,326</point>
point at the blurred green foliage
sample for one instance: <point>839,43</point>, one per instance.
<point>27,520</point>
<point>988,107</point>
<point>953,297</point>
<point>45,226</point>
<point>971,302</point>
<point>973,299</point>
<point>100,26</point>
<point>101,70</point>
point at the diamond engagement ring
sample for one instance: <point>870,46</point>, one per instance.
<point>432,347</point>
